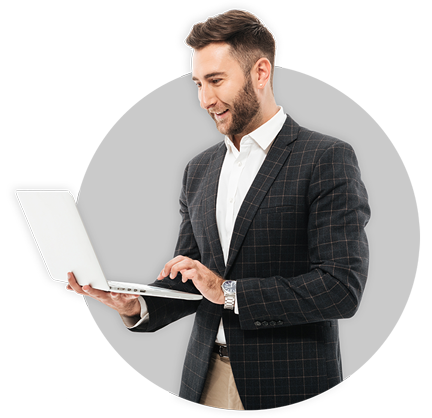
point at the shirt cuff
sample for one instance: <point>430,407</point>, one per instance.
<point>236,309</point>
<point>131,322</point>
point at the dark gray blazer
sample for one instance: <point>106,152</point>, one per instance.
<point>299,255</point>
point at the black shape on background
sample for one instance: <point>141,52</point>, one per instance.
<point>172,24</point>
<point>37,158</point>
<point>353,391</point>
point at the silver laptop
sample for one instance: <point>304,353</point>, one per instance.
<point>60,234</point>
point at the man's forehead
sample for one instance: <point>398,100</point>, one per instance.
<point>214,58</point>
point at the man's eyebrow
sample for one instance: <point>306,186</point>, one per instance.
<point>211,75</point>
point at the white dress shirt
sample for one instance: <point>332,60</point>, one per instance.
<point>239,169</point>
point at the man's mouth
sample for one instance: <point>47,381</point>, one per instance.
<point>220,115</point>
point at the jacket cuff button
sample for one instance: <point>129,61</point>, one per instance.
<point>272,323</point>
<point>257,323</point>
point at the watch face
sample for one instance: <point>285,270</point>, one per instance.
<point>229,286</point>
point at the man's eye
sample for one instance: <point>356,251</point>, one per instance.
<point>216,80</point>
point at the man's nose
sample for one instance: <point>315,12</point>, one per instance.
<point>207,98</point>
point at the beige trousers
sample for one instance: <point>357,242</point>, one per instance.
<point>220,390</point>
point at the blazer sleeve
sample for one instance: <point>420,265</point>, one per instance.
<point>163,311</point>
<point>338,253</point>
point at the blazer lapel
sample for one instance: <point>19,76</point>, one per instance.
<point>210,195</point>
<point>270,168</point>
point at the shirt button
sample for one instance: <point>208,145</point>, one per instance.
<point>240,164</point>
<point>231,200</point>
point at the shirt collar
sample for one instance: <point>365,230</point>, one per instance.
<point>266,133</point>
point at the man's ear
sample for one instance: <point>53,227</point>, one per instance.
<point>261,73</point>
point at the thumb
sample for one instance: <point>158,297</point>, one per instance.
<point>124,295</point>
<point>129,296</point>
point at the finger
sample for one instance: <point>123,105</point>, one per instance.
<point>190,274</point>
<point>167,268</point>
<point>130,296</point>
<point>96,293</point>
<point>123,296</point>
<point>74,284</point>
<point>184,274</point>
<point>187,274</point>
<point>184,264</point>
<point>71,278</point>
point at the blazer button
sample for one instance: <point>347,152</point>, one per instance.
<point>257,323</point>
<point>265,323</point>
<point>272,323</point>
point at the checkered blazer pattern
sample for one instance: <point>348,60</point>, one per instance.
<point>299,254</point>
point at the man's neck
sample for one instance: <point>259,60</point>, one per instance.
<point>235,139</point>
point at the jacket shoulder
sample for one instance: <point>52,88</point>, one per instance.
<point>206,156</point>
<point>318,140</point>
<point>305,140</point>
<point>198,165</point>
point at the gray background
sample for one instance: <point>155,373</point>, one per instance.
<point>129,204</point>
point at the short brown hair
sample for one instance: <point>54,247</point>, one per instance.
<point>248,38</point>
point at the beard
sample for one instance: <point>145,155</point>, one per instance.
<point>244,111</point>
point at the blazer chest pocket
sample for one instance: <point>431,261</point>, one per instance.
<point>277,209</point>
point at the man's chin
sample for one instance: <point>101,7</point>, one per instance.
<point>222,127</point>
<point>223,131</point>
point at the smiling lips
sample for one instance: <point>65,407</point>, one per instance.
<point>220,115</point>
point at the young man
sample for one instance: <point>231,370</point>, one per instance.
<point>272,236</point>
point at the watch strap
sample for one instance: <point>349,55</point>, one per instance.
<point>229,295</point>
<point>229,301</point>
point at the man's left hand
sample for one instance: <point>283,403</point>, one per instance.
<point>207,282</point>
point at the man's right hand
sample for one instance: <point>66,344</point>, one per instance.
<point>125,304</point>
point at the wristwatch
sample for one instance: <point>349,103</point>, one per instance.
<point>229,289</point>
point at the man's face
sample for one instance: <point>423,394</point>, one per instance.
<point>224,91</point>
